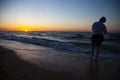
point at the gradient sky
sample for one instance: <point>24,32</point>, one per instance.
<point>58,15</point>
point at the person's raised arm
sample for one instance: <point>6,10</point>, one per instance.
<point>105,30</point>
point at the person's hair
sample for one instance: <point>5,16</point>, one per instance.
<point>103,19</point>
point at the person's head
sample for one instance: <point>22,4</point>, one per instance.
<point>103,19</point>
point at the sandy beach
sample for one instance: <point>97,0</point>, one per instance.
<point>13,68</point>
<point>22,64</point>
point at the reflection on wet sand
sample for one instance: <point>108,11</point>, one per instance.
<point>102,69</point>
<point>93,69</point>
<point>41,63</point>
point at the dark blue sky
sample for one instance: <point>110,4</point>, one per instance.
<point>78,13</point>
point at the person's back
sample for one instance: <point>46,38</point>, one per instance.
<point>98,28</point>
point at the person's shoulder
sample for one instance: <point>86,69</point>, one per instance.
<point>96,22</point>
<point>99,23</point>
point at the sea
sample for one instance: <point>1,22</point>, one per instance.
<point>77,42</point>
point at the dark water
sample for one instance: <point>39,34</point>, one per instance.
<point>79,42</point>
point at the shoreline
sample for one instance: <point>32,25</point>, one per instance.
<point>14,68</point>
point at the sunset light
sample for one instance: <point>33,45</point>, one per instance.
<point>26,30</point>
<point>59,39</point>
<point>57,15</point>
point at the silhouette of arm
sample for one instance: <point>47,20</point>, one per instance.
<point>93,27</point>
<point>105,30</point>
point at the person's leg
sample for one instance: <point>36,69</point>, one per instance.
<point>97,52</point>
<point>92,51</point>
<point>98,45</point>
<point>93,48</point>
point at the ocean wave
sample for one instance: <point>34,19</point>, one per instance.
<point>78,42</point>
<point>43,42</point>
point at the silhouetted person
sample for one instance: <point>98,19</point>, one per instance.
<point>98,28</point>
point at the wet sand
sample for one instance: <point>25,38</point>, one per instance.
<point>12,67</point>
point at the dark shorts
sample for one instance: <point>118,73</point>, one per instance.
<point>97,40</point>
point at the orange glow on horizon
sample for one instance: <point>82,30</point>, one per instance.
<point>43,28</point>
<point>51,28</point>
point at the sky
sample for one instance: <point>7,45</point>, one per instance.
<point>58,15</point>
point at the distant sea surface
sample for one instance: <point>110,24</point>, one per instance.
<point>78,42</point>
